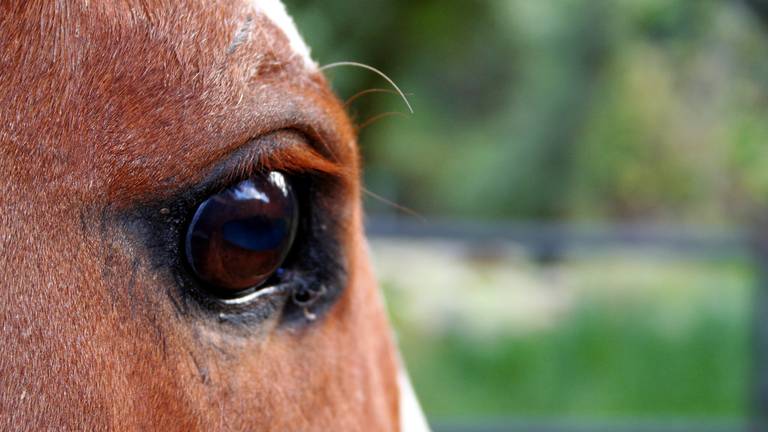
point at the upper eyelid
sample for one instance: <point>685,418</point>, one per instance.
<point>284,150</point>
<point>289,151</point>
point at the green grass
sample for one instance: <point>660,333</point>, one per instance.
<point>644,339</point>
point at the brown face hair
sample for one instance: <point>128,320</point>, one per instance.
<point>114,116</point>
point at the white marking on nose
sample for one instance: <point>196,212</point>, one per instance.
<point>275,11</point>
<point>411,416</point>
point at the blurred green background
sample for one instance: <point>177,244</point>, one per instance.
<point>563,111</point>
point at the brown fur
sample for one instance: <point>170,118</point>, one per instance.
<point>105,105</point>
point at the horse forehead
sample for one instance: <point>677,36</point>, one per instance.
<point>276,12</point>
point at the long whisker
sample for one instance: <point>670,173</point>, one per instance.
<point>365,92</point>
<point>378,117</point>
<point>395,205</point>
<point>374,70</point>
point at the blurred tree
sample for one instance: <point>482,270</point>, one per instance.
<point>548,110</point>
<point>760,8</point>
<point>557,89</point>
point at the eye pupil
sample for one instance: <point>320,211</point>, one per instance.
<point>239,237</point>
<point>257,233</point>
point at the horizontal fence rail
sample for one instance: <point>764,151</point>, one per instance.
<point>542,236</point>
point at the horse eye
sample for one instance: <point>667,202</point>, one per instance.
<point>239,237</point>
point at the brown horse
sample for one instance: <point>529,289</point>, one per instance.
<point>181,242</point>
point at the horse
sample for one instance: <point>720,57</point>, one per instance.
<point>181,234</point>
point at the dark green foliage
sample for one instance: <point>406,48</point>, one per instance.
<point>575,109</point>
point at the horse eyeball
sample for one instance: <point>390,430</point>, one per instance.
<point>240,236</point>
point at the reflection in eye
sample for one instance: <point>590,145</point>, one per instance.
<point>239,237</point>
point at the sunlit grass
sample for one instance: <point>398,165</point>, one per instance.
<point>643,336</point>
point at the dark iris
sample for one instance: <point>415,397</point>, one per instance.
<point>239,237</point>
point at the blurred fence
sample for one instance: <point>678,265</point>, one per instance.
<point>550,242</point>
<point>544,239</point>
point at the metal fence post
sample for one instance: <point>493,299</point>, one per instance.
<point>759,249</point>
